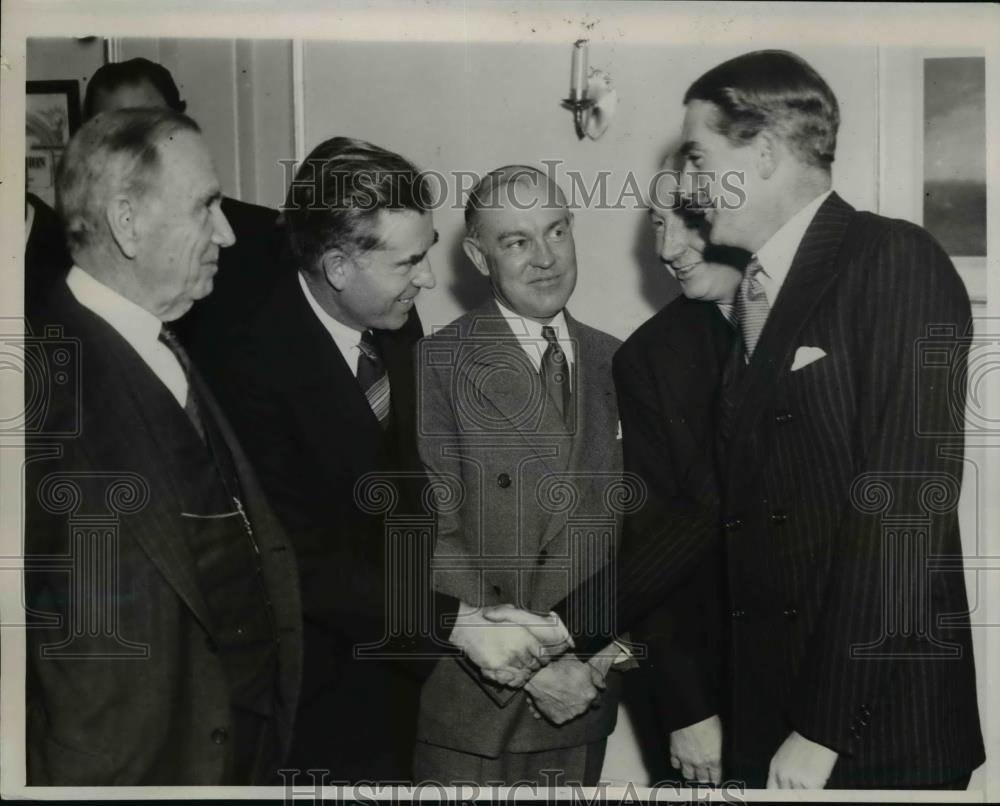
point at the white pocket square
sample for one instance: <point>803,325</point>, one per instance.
<point>619,434</point>
<point>804,356</point>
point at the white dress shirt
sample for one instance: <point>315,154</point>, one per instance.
<point>137,326</point>
<point>346,338</point>
<point>777,254</point>
<point>529,335</point>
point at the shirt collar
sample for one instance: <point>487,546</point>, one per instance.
<point>132,321</point>
<point>346,338</point>
<point>777,254</point>
<point>529,333</point>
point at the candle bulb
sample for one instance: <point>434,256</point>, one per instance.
<point>578,76</point>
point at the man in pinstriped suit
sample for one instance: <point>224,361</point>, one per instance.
<point>832,431</point>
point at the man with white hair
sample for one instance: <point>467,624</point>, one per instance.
<point>165,641</point>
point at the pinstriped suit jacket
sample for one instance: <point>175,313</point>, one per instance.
<point>841,482</point>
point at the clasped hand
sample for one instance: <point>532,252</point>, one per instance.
<point>509,644</point>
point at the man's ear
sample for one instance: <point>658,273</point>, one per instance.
<point>474,252</point>
<point>335,268</point>
<point>768,153</point>
<point>120,214</point>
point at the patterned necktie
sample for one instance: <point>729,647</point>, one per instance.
<point>168,338</point>
<point>555,371</point>
<point>373,378</point>
<point>751,306</point>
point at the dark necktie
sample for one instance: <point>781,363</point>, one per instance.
<point>555,371</point>
<point>191,409</point>
<point>752,307</point>
<point>373,379</point>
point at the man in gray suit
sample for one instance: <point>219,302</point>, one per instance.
<point>516,400</point>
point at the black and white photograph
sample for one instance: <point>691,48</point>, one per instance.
<point>591,401</point>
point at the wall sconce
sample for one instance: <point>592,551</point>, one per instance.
<point>592,97</point>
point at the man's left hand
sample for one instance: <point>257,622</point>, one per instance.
<point>801,764</point>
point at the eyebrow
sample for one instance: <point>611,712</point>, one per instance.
<point>564,221</point>
<point>414,259</point>
<point>211,196</point>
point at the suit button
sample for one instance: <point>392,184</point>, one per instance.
<point>503,481</point>
<point>738,614</point>
<point>220,736</point>
<point>782,417</point>
<point>864,710</point>
<point>542,555</point>
<point>778,517</point>
<point>790,612</point>
<point>733,525</point>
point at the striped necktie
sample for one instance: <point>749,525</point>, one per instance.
<point>191,409</point>
<point>373,378</point>
<point>555,371</point>
<point>751,306</point>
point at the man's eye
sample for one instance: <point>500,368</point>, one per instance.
<point>558,233</point>
<point>518,244</point>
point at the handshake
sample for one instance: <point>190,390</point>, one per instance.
<point>517,648</point>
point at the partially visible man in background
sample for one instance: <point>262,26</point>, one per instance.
<point>248,270</point>
<point>169,652</point>
<point>667,374</point>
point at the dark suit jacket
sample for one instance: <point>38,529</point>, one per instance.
<point>842,481</point>
<point>483,425</point>
<point>46,258</point>
<point>667,374</point>
<point>312,436</point>
<point>248,270</point>
<point>138,696</point>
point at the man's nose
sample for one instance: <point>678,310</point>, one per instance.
<point>223,234</point>
<point>673,240</point>
<point>543,256</point>
<point>424,277</point>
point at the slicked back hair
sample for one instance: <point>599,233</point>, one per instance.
<point>486,193</point>
<point>777,91</point>
<point>337,194</point>
<point>114,152</point>
<point>110,77</point>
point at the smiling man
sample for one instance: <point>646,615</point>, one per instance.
<point>667,374</point>
<point>323,395</point>
<point>827,404</point>
<point>516,400</point>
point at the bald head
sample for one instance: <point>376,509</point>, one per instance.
<point>515,186</point>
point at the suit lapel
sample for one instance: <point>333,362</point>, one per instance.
<point>500,374</point>
<point>811,275</point>
<point>130,374</point>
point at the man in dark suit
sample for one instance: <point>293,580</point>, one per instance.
<point>323,393</point>
<point>165,625</point>
<point>248,269</point>
<point>667,374</point>
<point>517,401</point>
<point>834,433</point>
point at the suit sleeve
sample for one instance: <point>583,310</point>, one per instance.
<point>342,568</point>
<point>907,414</point>
<point>438,444</point>
<point>664,540</point>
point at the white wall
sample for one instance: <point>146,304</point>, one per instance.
<point>454,106</point>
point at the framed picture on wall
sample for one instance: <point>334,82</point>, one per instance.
<point>52,115</point>
<point>932,154</point>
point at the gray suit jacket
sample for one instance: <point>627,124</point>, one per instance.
<point>533,512</point>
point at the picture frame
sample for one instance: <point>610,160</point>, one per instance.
<point>920,178</point>
<point>52,116</point>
